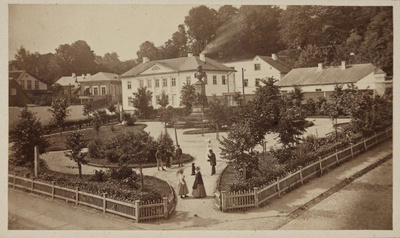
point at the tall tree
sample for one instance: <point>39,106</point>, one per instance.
<point>27,134</point>
<point>59,110</point>
<point>75,144</point>
<point>188,96</point>
<point>217,113</point>
<point>163,100</point>
<point>142,101</point>
<point>202,23</point>
<point>149,50</point>
<point>76,58</point>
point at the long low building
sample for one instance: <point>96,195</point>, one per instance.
<point>321,81</point>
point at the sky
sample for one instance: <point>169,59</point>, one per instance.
<point>106,28</point>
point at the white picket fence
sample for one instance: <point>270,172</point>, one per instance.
<point>226,201</point>
<point>138,210</point>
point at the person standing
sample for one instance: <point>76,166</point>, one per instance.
<point>168,156</point>
<point>182,186</point>
<point>178,155</point>
<point>208,148</point>
<point>213,161</point>
<point>159,160</point>
<point>198,186</point>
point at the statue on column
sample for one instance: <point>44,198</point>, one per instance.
<point>200,90</point>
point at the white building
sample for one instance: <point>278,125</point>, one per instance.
<point>250,71</point>
<point>321,81</point>
<point>170,75</point>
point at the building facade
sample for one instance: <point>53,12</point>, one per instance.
<point>170,76</point>
<point>321,81</point>
<point>249,72</point>
<point>95,87</point>
<point>32,87</point>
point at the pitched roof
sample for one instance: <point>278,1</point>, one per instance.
<point>328,75</point>
<point>16,74</point>
<point>179,65</point>
<point>277,64</point>
<point>100,76</point>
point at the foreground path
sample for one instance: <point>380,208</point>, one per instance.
<point>191,213</point>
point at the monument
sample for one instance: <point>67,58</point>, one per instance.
<point>200,90</point>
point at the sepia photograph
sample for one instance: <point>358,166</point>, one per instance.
<point>198,118</point>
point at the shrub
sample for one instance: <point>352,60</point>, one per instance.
<point>99,176</point>
<point>95,148</point>
<point>121,173</point>
<point>129,118</point>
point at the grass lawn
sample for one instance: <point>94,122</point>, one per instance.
<point>57,142</point>
<point>229,176</point>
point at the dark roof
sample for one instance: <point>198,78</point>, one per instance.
<point>16,74</point>
<point>20,99</point>
<point>277,64</point>
<point>328,75</point>
<point>179,65</point>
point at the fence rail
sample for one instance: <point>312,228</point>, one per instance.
<point>228,201</point>
<point>138,210</point>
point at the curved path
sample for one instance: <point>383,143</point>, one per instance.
<point>194,145</point>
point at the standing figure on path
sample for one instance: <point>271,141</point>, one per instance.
<point>159,159</point>
<point>208,148</point>
<point>213,161</point>
<point>182,186</point>
<point>198,186</point>
<point>178,155</point>
<point>168,156</point>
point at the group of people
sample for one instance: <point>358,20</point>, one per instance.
<point>198,184</point>
<point>168,157</point>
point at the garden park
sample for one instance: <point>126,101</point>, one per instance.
<point>127,149</point>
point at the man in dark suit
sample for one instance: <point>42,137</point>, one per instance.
<point>213,161</point>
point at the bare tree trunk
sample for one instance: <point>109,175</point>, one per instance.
<point>80,170</point>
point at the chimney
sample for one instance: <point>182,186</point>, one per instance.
<point>190,54</point>
<point>73,75</point>
<point>145,60</point>
<point>343,67</point>
<point>274,57</point>
<point>320,66</point>
<point>203,57</point>
<point>87,75</point>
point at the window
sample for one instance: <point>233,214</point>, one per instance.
<point>318,90</point>
<point>257,67</point>
<point>205,79</point>
<point>223,79</point>
<point>103,90</point>
<point>214,79</point>
<point>283,91</point>
<point>29,84</point>
<point>130,101</point>
<point>129,85</point>
<point>257,82</point>
<point>246,82</point>
<point>37,85</point>
<point>157,83</point>
<point>141,83</point>
<point>173,82</point>
<point>149,83</point>
<point>95,91</point>
<point>188,80</point>
<point>164,83</point>
<point>22,83</point>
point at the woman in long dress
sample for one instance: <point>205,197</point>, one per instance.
<point>182,186</point>
<point>198,186</point>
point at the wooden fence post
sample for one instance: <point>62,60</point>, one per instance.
<point>301,174</point>
<point>365,144</point>
<point>165,202</point>
<point>223,201</point>
<point>352,152</point>
<point>104,203</point>
<point>76,195</point>
<point>32,185</point>
<point>320,164</point>
<point>137,210</point>
<point>52,189</point>
<point>277,185</point>
<point>255,196</point>
<point>337,157</point>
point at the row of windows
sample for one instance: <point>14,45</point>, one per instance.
<point>173,82</point>
<point>171,99</point>
<point>29,84</point>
